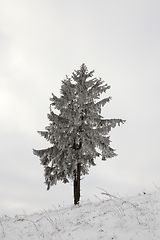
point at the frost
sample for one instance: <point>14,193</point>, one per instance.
<point>110,218</point>
<point>78,134</point>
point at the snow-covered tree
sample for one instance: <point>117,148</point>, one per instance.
<point>78,134</point>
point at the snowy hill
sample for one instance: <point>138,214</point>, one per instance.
<point>117,218</point>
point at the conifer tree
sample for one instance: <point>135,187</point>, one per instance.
<point>78,134</point>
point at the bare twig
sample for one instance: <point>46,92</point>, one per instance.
<point>3,233</point>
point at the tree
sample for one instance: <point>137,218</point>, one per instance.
<point>78,133</point>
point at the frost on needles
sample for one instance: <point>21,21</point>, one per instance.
<point>78,134</point>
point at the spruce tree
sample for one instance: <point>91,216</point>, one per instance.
<point>78,133</point>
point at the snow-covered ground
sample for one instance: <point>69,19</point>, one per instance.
<point>118,218</point>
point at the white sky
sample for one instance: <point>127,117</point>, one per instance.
<point>40,43</point>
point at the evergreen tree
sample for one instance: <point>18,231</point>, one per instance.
<point>78,134</point>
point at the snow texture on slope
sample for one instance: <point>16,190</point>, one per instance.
<point>117,218</point>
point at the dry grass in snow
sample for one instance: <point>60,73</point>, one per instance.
<point>117,218</point>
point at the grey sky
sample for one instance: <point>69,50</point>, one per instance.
<point>40,43</point>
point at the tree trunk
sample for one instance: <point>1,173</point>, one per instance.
<point>77,184</point>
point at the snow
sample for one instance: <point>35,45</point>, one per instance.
<point>114,217</point>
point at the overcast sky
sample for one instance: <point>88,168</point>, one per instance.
<point>43,41</point>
